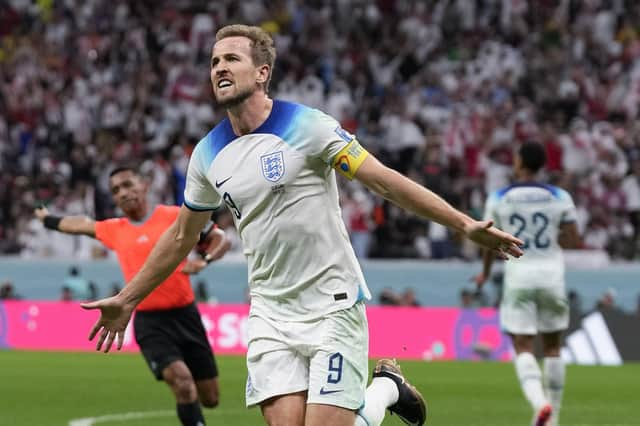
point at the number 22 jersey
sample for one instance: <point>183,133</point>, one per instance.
<point>533,212</point>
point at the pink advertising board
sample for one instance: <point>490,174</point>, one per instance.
<point>405,333</point>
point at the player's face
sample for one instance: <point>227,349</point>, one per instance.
<point>128,192</point>
<point>234,76</point>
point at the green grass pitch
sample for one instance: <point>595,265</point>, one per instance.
<point>49,389</point>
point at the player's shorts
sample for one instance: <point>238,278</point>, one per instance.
<point>326,357</point>
<point>530,311</point>
<point>175,334</point>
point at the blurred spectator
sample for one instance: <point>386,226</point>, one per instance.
<point>408,298</point>
<point>93,291</point>
<point>8,292</point>
<point>115,288</point>
<point>389,297</point>
<point>473,299</point>
<point>79,287</point>
<point>443,91</point>
<point>607,301</point>
<point>66,294</point>
<point>575,304</point>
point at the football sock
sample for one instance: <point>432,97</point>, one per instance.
<point>190,414</point>
<point>530,378</point>
<point>554,376</point>
<point>381,393</point>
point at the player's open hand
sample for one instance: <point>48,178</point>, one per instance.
<point>501,243</point>
<point>114,317</point>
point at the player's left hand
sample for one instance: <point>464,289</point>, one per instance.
<point>114,317</point>
<point>501,243</point>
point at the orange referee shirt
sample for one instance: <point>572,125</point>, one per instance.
<point>133,243</point>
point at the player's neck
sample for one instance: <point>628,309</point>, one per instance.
<point>139,215</point>
<point>250,114</point>
<point>525,176</point>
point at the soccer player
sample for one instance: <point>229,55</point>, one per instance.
<point>273,164</point>
<point>534,298</point>
<point>167,324</point>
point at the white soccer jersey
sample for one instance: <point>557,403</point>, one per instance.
<point>533,212</point>
<point>280,186</point>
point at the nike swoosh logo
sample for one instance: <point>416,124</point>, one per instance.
<point>327,392</point>
<point>219,184</point>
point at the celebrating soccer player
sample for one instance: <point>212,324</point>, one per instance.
<point>273,164</point>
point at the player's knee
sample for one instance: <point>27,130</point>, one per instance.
<point>184,388</point>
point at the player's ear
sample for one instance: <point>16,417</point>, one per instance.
<point>263,72</point>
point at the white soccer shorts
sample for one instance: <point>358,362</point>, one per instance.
<point>530,311</point>
<point>327,357</point>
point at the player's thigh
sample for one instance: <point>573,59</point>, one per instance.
<point>275,367</point>
<point>285,410</point>
<point>553,310</point>
<point>192,340</point>
<point>155,337</point>
<point>323,415</point>
<point>339,368</point>
<point>518,311</point>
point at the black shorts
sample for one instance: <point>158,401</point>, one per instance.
<point>175,334</point>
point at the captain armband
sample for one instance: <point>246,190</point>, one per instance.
<point>350,158</point>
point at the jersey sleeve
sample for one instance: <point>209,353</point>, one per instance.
<point>569,213</point>
<point>199,194</point>
<point>490,209</point>
<point>319,135</point>
<point>106,232</point>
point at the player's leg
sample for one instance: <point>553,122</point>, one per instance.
<point>156,334</point>
<point>554,372</point>
<point>278,373</point>
<point>518,317</point>
<point>285,410</point>
<point>554,319</point>
<point>198,356</point>
<point>338,369</point>
<point>179,379</point>
<point>390,390</point>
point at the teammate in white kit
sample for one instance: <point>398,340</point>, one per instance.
<point>273,164</point>
<point>534,297</point>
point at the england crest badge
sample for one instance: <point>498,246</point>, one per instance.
<point>273,166</point>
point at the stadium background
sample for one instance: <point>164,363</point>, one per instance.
<point>443,91</point>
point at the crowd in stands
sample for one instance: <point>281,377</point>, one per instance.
<point>441,90</point>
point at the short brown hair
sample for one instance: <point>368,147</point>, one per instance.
<point>263,50</point>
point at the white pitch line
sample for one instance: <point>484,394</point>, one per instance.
<point>89,421</point>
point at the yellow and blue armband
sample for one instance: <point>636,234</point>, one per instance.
<point>350,158</point>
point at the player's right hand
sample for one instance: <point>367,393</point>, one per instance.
<point>41,213</point>
<point>114,317</point>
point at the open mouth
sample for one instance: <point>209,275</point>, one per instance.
<point>224,83</point>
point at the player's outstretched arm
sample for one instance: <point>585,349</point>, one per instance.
<point>79,225</point>
<point>173,246</point>
<point>413,197</point>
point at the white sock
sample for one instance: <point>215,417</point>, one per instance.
<point>381,393</point>
<point>530,378</point>
<point>554,376</point>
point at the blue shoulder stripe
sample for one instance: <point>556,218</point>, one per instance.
<point>552,189</point>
